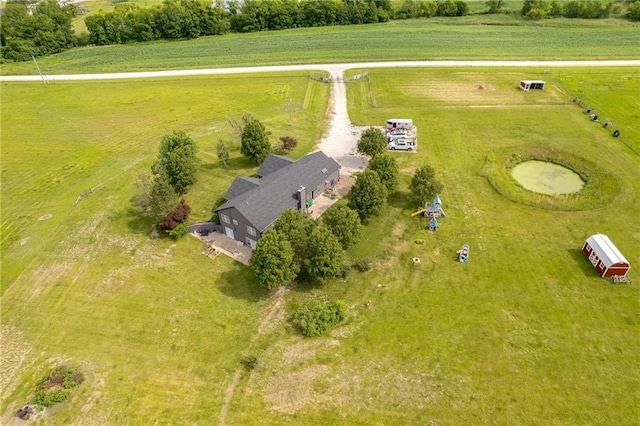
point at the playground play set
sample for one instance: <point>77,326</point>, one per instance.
<point>433,211</point>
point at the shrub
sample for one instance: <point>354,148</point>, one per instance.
<point>56,386</point>
<point>633,11</point>
<point>179,231</point>
<point>288,143</point>
<point>316,317</point>
<point>176,217</point>
<point>251,361</point>
<point>344,271</point>
<point>364,265</point>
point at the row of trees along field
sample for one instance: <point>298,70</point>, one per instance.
<point>42,27</point>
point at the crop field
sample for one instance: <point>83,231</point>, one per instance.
<point>482,37</point>
<point>524,333</point>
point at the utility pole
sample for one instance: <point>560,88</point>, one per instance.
<point>38,68</point>
<point>290,117</point>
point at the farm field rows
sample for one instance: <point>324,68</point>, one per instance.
<point>483,37</point>
<point>525,330</point>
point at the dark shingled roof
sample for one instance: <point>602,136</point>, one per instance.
<point>277,191</point>
<point>273,163</point>
<point>241,185</point>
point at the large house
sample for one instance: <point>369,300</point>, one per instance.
<point>254,204</point>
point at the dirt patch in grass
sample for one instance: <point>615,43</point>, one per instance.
<point>291,391</point>
<point>306,350</point>
<point>398,230</point>
<point>344,185</point>
<point>275,313</point>
<point>43,277</point>
<point>353,387</point>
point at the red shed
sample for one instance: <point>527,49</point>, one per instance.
<point>605,256</point>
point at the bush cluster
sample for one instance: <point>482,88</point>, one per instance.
<point>586,9</point>
<point>176,218</point>
<point>56,386</point>
<point>316,317</point>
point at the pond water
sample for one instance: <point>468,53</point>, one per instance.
<point>547,178</point>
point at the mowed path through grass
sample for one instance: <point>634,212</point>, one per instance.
<point>524,331</point>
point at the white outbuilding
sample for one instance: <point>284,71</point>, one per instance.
<point>527,85</point>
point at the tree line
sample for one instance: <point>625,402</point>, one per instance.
<point>42,27</point>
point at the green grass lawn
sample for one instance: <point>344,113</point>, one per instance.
<point>524,333</point>
<point>88,285</point>
<point>468,38</point>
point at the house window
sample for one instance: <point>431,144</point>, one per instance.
<point>225,218</point>
<point>252,231</point>
<point>235,222</point>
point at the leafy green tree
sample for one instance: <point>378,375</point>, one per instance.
<point>344,223</point>
<point>368,195</point>
<point>272,260</point>
<point>223,152</point>
<point>177,159</point>
<point>163,198</point>
<point>534,8</point>
<point>296,226</point>
<point>372,142</point>
<point>387,168</point>
<point>425,185</point>
<point>633,11</point>
<point>495,6</point>
<point>255,143</point>
<point>325,257</point>
<point>44,30</point>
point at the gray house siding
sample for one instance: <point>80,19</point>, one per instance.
<point>287,184</point>
<point>238,224</point>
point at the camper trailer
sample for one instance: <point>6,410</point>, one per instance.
<point>399,124</point>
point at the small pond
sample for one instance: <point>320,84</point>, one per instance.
<point>547,178</point>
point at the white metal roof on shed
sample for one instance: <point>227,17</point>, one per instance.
<point>606,250</point>
<point>533,81</point>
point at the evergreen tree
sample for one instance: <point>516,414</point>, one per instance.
<point>223,153</point>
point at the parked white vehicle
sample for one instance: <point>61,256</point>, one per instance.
<point>399,123</point>
<point>402,144</point>
<point>397,134</point>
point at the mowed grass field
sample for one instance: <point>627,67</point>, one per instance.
<point>88,285</point>
<point>524,333</point>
